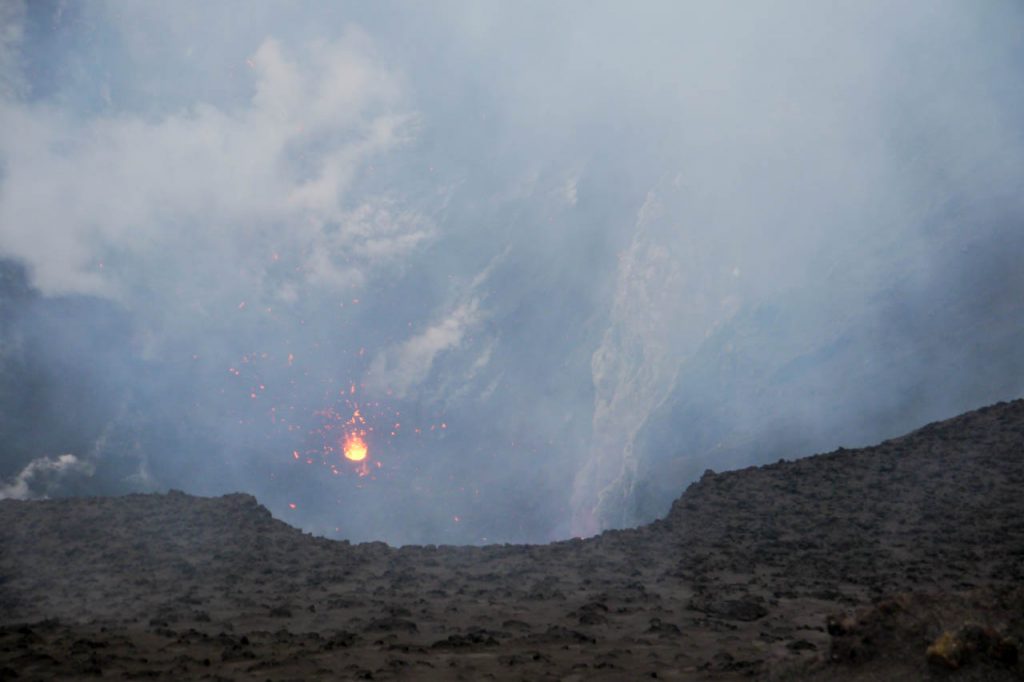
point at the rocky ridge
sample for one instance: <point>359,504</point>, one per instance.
<point>904,560</point>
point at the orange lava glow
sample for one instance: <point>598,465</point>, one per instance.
<point>355,447</point>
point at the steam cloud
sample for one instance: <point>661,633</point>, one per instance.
<point>562,258</point>
<point>29,481</point>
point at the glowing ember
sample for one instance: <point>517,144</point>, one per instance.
<point>355,447</point>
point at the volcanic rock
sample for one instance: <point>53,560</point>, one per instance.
<point>900,561</point>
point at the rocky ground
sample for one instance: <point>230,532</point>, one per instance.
<point>901,561</point>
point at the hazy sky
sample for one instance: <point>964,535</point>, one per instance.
<point>548,260</point>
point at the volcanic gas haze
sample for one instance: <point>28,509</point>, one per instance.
<point>473,273</point>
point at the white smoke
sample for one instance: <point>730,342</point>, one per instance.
<point>207,190</point>
<point>43,474</point>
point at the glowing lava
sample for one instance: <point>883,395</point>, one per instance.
<point>355,447</point>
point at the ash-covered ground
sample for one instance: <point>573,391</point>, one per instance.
<point>901,561</point>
